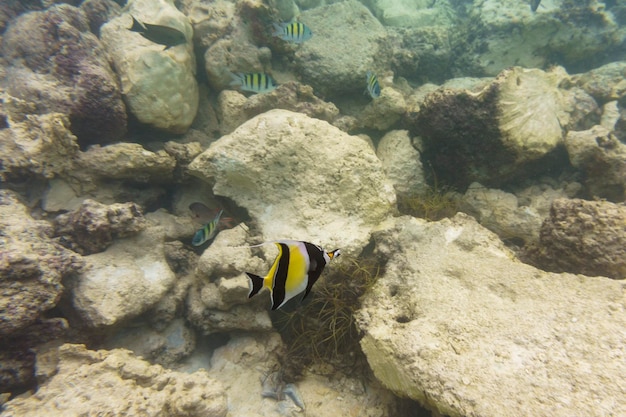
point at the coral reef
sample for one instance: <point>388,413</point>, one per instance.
<point>55,64</point>
<point>80,381</point>
<point>583,237</point>
<point>93,226</point>
<point>497,134</point>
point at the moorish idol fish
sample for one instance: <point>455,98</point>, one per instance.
<point>257,82</point>
<point>534,4</point>
<point>292,32</point>
<point>373,88</point>
<point>207,232</point>
<point>163,35</point>
<point>296,268</point>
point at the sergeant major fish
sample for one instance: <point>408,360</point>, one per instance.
<point>296,268</point>
<point>534,5</point>
<point>257,82</point>
<point>373,88</point>
<point>163,35</point>
<point>207,232</point>
<point>292,32</point>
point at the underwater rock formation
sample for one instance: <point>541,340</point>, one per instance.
<point>219,301</point>
<point>55,64</point>
<point>348,26</point>
<point>40,145</point>
<point>79,381</point>
<point>584,237</point>
<point>496,134</point>
<point>300,178</point>
<point>512,216</point>
<point>233,108</point>
<point>506,32</point>
<point>123,161</point>
<point>605,83</point>
<point>93,226</point>
<point>457,323</point>
<point>600,155</point>
<point>32,266</point>
<point>382,113</point>
<point>401,163</point>
<point>158,84</point>
<point>127,279</point>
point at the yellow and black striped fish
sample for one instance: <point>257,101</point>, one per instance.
<point>207,232</point>
<point>373,88</point>
<point>296,268</point>
<point>256,82</point>
<point>292,32</point>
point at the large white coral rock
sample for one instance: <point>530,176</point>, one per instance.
<point>124,281</point>
<point>300,178</point>
<point>159,84</point>
<point>457,323</point>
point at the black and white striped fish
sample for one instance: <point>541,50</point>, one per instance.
<point>292,32</point>
<point>296,268</point>
<point>256,82</point>
<point>373,88</point>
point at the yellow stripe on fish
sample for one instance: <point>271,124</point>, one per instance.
<point>295,32</point>
<point>257,82</point>
<point>296,268</point>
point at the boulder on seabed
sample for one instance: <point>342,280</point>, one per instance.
<point>300,178</point>
<point>78,381</point>
<point>355,35</point>
<point>56,65</point>
<point>457,323</point>
<point>583,237</point>
<point>159,84</point>
<point>127,279</point>
<point>602,157</point>
<point>509,128</point>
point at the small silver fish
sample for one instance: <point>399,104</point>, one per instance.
<point>534,5</point>
<point>292,32</point>
<point>163,35</point>
<point>207,232</point>
<point>257,82</point>
<point>373,88</point>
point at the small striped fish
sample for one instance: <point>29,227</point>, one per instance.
<point>208,231</point>
<point>257,82</point>
<point>373,88</point>
<point>292,32</point>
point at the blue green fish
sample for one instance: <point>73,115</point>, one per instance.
<point>373,88</point>
<point>207,232</point>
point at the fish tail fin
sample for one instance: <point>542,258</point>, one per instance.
<point>278,29</point>
<point>236,79</point>
<point>137,27</point>
<point>256,284</point>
